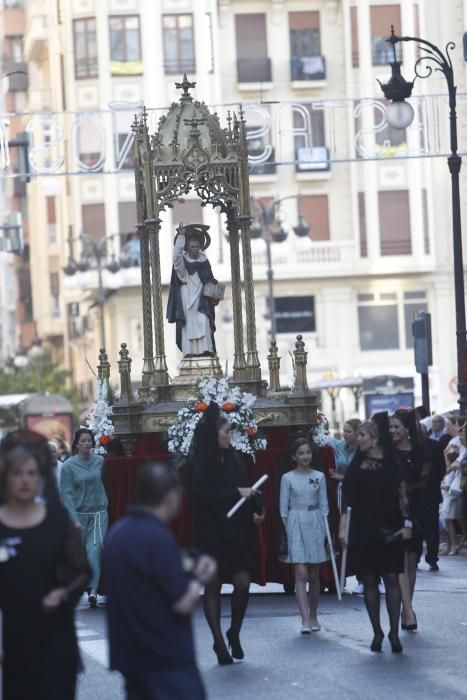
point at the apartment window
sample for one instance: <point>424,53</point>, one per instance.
<point>15,48</point>
<point>385,319</point>
<point>51,220</point>
<point>394,222</point>
<point>295,314</point>
<point>378,323</point>
<point>362,225</point>
<point>315,209</point>
<point>309,139</point>
<point>55,293</point>
<point>307,63</point>
<point>125,45</point>
<point>426,224</point>
<point>253,62</point>
<point>354,36</point>
<point>125,163</point>
<point>261,155</point>
<point>381,19</point>
<point>85,45</point>
<point>93,220</point>
<point>179,43</point>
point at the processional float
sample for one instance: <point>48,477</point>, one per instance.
<point>192,151</point>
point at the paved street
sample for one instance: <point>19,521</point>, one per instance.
<point>336,662</point>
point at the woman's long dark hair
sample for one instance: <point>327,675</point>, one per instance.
<point>205,446</point>
<point>408,418</point>
<point>381,420</point>
<point>81,431</point>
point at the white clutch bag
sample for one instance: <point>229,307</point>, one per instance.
<point>214,291</point>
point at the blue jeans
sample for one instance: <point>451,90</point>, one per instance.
<point>178,684</point>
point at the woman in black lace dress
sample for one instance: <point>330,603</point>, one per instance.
<point>377,525</point>
<point>414,469</point>
<point>43,571</point>
<point>218,480</point>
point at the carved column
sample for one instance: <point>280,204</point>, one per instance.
<point>252,359</point>
<point>239,366</point>
<point>148,340</point>
<point>300,360</point>
<point>274,363</point>
<point>160,363</point>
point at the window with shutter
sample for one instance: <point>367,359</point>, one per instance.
<point>93,220</point>
<point>381,19</point>
<point>253,62</point>
<point>307,63</point>
<point>394,222</point>
<point>315,210</point>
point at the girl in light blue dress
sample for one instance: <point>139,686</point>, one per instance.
<point>303,508</point>
<point>83,495</point>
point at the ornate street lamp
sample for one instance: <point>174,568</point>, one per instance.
<point>399,115</point>
<point>269,227</point>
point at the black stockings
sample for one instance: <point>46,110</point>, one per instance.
<point>239,603</point>
<point>239,600</point>
<point>393,601</point>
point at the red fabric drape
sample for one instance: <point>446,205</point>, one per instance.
<point>120,473</point>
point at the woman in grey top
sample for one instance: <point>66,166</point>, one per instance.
<point>303,508</point>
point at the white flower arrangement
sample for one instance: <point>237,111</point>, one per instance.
<point>320,431</point>
<point>234,404</point>
<point>100,418</point>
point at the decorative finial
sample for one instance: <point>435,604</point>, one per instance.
<point>185,85</point>
<point>300,345</point>
<point>124,354</point>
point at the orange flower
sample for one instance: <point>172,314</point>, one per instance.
<point>105,439</point>
<point>229,407</point>
<point>200,406</point>
<point>250,432</point>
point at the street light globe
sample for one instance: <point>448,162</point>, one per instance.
<point>399,114</point>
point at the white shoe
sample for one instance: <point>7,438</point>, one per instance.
<point>381,588</point>
<point>359,589</point>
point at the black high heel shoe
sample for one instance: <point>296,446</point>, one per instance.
<point>223,656</point>
<point>396,646</point>
<point>377,642</point>
<point>235,646</point>
<point>413,627</point>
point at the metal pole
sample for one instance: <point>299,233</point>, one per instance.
<point>101,299</point>
<point>454,164</point>
<point>425,391</point>
<point>270,276</point>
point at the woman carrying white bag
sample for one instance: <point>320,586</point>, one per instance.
<point>452,508</point>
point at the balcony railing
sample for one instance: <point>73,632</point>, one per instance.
<point>180,65</point>
<point>308,68</point>
<point>322,255</point>
<point>254,70</point>
<point>312,159</point>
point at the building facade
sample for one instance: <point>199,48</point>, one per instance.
<point>379,248</point>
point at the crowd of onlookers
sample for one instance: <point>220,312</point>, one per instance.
<point>445,521</point>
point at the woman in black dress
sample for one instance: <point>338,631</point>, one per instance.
<point>43,571</point>
<point>414,469</point>
<point>218,479</point>
<point>377,525</point>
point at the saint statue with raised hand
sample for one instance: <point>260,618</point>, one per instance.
<point>193,292</point>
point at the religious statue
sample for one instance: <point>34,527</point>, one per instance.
<point>193,292</point>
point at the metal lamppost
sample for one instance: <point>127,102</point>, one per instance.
<point>98,251</point>
<point>268,227</point>
<point>399,115</point>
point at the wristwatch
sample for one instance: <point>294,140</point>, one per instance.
<point>408,523</point>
